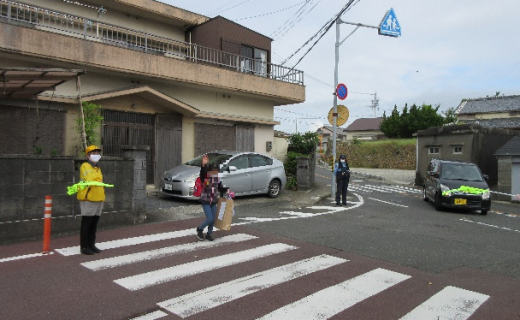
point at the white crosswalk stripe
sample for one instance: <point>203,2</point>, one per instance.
<point>189,269</point>
<point>205,299</point>
<point>330,301</point>
<point>163,252</point>
<point>129,241</point>
<point>449,303</point>
<point>383,188</point>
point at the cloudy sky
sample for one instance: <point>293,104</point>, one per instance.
<point>449,50</point>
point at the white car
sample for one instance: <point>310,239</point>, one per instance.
<point>244,173</point>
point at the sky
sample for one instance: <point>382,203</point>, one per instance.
<point>448,50</point>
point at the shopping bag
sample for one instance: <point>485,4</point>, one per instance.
<point>224,214</point>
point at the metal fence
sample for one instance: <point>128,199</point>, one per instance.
<point>92,30</point>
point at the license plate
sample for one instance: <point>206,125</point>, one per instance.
<point>460,202</point>
<point>168,186</point>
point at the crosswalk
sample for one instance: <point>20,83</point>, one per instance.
<point>449,303</point>
<point>383,188</point>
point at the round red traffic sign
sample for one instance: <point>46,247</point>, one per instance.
<point>342,91</point>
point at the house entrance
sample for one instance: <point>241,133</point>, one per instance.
<point>126,128</point>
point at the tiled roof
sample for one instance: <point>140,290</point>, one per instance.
<point>489,105</point>
<point>506,123</point>
<point>511,148</point>
<point>365,124</point>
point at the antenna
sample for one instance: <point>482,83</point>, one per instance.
<point>375,103</point>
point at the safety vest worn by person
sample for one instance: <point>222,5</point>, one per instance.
<point>92,193</point>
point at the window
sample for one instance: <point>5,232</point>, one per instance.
<point>253,60</point>
<point>433,150</point>
<point>258,161</point>
<point>239,163</point>
<point>457,149</point>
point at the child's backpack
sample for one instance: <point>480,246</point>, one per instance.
<point>197,188</point>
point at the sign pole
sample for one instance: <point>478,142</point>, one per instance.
<point>335,107</point>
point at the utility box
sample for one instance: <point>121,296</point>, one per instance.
<point>268,145</point>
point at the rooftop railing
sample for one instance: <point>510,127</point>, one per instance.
<point>92,30</point>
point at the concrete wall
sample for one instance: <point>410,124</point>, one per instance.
<point>504,184</point>
<point>26,180</point>
<point>479,144</point>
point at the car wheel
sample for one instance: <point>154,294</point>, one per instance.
<point>424,197</point>
<point>274,189</point>
<point>483,212</point>
<point>437,202</point>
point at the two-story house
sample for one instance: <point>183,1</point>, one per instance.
<point>179,82</point>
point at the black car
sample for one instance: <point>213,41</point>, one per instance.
<point>456,184</point>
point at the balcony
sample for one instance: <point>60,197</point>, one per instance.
<point>39,18</point>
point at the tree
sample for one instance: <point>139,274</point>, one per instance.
<point>405,124</point>
<point>303,143</point>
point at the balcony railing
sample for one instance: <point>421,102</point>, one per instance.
<point>92,30</point>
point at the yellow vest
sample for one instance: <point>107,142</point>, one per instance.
<point>91,193</point>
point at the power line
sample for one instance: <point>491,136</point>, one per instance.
<point>326,28</point>
<point>269,13</point>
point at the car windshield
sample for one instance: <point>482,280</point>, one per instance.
<point>461,172</point>
<point>214,158</point>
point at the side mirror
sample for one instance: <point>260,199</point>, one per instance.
<point>232,168</point>
<point>486,177</point>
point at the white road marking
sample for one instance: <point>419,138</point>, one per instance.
<point>70,251</point>
<point>202,300</point>
<point>113,262</point>
<point>151,278</point>
<point>450,303</point>
<point>489,225</point>
<point>152,315</point>
<point>331,301</point>
<point>25,256</point>
<point>394,204</point>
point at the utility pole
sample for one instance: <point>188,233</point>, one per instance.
<point>389,26</point>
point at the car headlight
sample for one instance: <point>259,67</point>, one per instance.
<point>191,178</point>
<point>486,194</point>
<point>445,189</point>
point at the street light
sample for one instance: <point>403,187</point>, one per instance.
<point>389,26</point>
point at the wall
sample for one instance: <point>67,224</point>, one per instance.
<point>479,145</point>
<point>280,145</point>
<point>26,180</point>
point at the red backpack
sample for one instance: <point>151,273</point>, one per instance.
<point>197,188</point>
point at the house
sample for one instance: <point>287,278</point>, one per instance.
<point>464,142</point>
<point>508,157</point>
<point>365,129</point>
<point>177,81</point>
<point>325,134</point>
<point>494,112</point>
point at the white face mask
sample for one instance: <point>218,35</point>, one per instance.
<point>95,157</point>
<point>342,161</point>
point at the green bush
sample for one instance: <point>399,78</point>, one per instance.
<point>291,163</point>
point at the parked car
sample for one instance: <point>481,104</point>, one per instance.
<point>456,184</point>
<point>244,173</point>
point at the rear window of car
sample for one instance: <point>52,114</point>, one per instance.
<point>214,158</point>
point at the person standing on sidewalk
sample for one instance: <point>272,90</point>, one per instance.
<point>342,174</point>
<point>91,200</point>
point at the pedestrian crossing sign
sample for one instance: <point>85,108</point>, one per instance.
<point>389,26</point>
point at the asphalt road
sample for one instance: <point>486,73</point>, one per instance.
<point>386,255</point>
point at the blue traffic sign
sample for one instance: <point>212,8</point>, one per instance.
<point>389,26</point>
<point>341,91</point>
